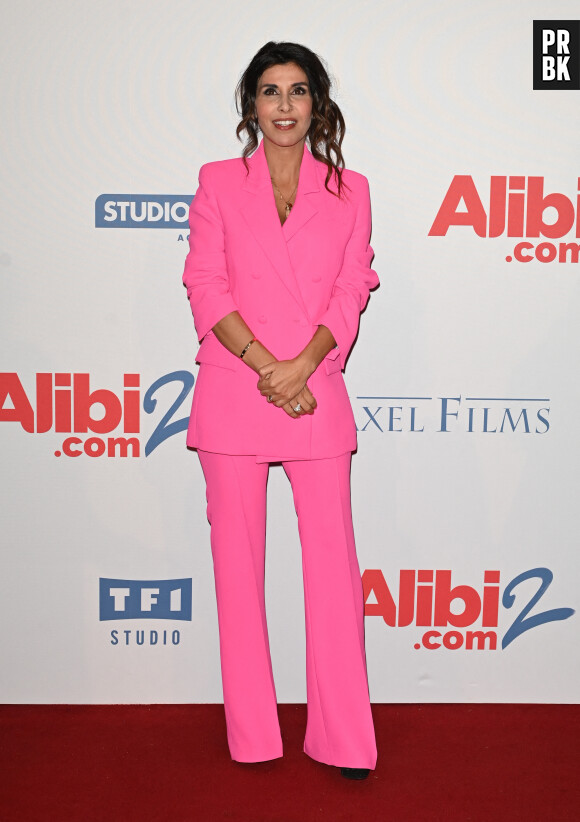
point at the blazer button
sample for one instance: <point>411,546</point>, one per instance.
<point>262,318</point>
<point>256,275</point>
<point>317,278</point>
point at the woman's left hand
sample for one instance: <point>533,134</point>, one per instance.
<point>282,380</point>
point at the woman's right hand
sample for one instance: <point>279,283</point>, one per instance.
<point>306,401</point>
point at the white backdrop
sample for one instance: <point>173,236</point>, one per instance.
<point>124,99</point>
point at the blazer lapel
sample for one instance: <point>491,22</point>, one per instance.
<point>306,203</point>
<point>260,214</point>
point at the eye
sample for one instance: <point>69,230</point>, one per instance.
<point>269,91</point>
<point>300,90</point>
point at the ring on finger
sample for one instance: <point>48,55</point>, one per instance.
<point>297,408</point>
<point>269,398</point>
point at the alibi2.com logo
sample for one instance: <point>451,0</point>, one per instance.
<point>96,422</point>
<point>462,616</point>
<point>518,207</point>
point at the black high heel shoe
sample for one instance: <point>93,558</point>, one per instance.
<point>355,773</point>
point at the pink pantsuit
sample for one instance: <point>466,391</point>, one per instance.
<point>285,280</point>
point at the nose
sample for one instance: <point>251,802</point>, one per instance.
<point>285,102</point>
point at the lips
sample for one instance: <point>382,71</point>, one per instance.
<point>284,125</point>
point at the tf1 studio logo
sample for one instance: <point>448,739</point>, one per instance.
<point>556,54</point>
<point>121,599</point>
<point>458,616</point>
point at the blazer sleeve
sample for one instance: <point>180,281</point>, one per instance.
<point>206,276</point>
<point>351,288</point>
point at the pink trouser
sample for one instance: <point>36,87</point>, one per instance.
<point>339,728</point>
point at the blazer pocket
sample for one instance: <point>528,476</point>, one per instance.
<point>212,352</point>
<point>332,361</point>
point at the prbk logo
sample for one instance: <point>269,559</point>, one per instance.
<point>556,54</point>
<point>517,206</point>
<point>144,599</point>
<point>142,210</point>
<point>97,422</point>
<point>445,415</point>
<point>459,616</point>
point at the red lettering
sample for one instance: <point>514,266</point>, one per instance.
<point>453,640</point>
<point>406,598</point>
<point>519,252</point>
<point>428,638</point>
<point>490,606</point>
<point>131,404</point>
<point>123,443</point>
<point>573,248</point>
<point>516,204</point>
<point>84,400</point>
<point>537,204</point>
<point>445,595</point>
<point>11,387</point>
<point>462,188</point>
<point>497,198</point>
<point>425,598</point>
<point>373,581</point>
<point>44,403</point>
<point>546,252</point>
<point>62,404</point>
<point>68,444</point>
<point>95,447</point>
<point>480,638</point>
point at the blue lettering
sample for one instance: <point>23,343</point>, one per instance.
<point>372,418</point>
<point>166,429</point>
<point>393,419</point>
<point>412,428</point>
<point>485,428</point>
<point>507,415</point>
<point>544,420</point>
<point>523,622</point>
<point>446,413</point>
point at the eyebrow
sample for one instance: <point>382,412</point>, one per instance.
<point>275,85</point>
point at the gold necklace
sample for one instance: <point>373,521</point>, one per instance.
<point>289,205</point>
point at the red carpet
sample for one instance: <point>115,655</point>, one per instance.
<point>169,763</point>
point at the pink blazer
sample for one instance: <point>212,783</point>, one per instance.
<point>285,281</point>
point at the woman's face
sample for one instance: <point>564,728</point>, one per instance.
<point>284,105</point>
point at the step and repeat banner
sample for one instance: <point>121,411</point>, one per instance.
<point>465,118</point>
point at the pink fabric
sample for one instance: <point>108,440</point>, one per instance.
<point>285,281</point>
<point>340,728</point>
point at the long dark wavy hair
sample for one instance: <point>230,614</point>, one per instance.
<point>326,131</point>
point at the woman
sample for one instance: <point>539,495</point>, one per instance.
<point>277,275</point>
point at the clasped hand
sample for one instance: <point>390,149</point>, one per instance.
<point>283,383</point>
